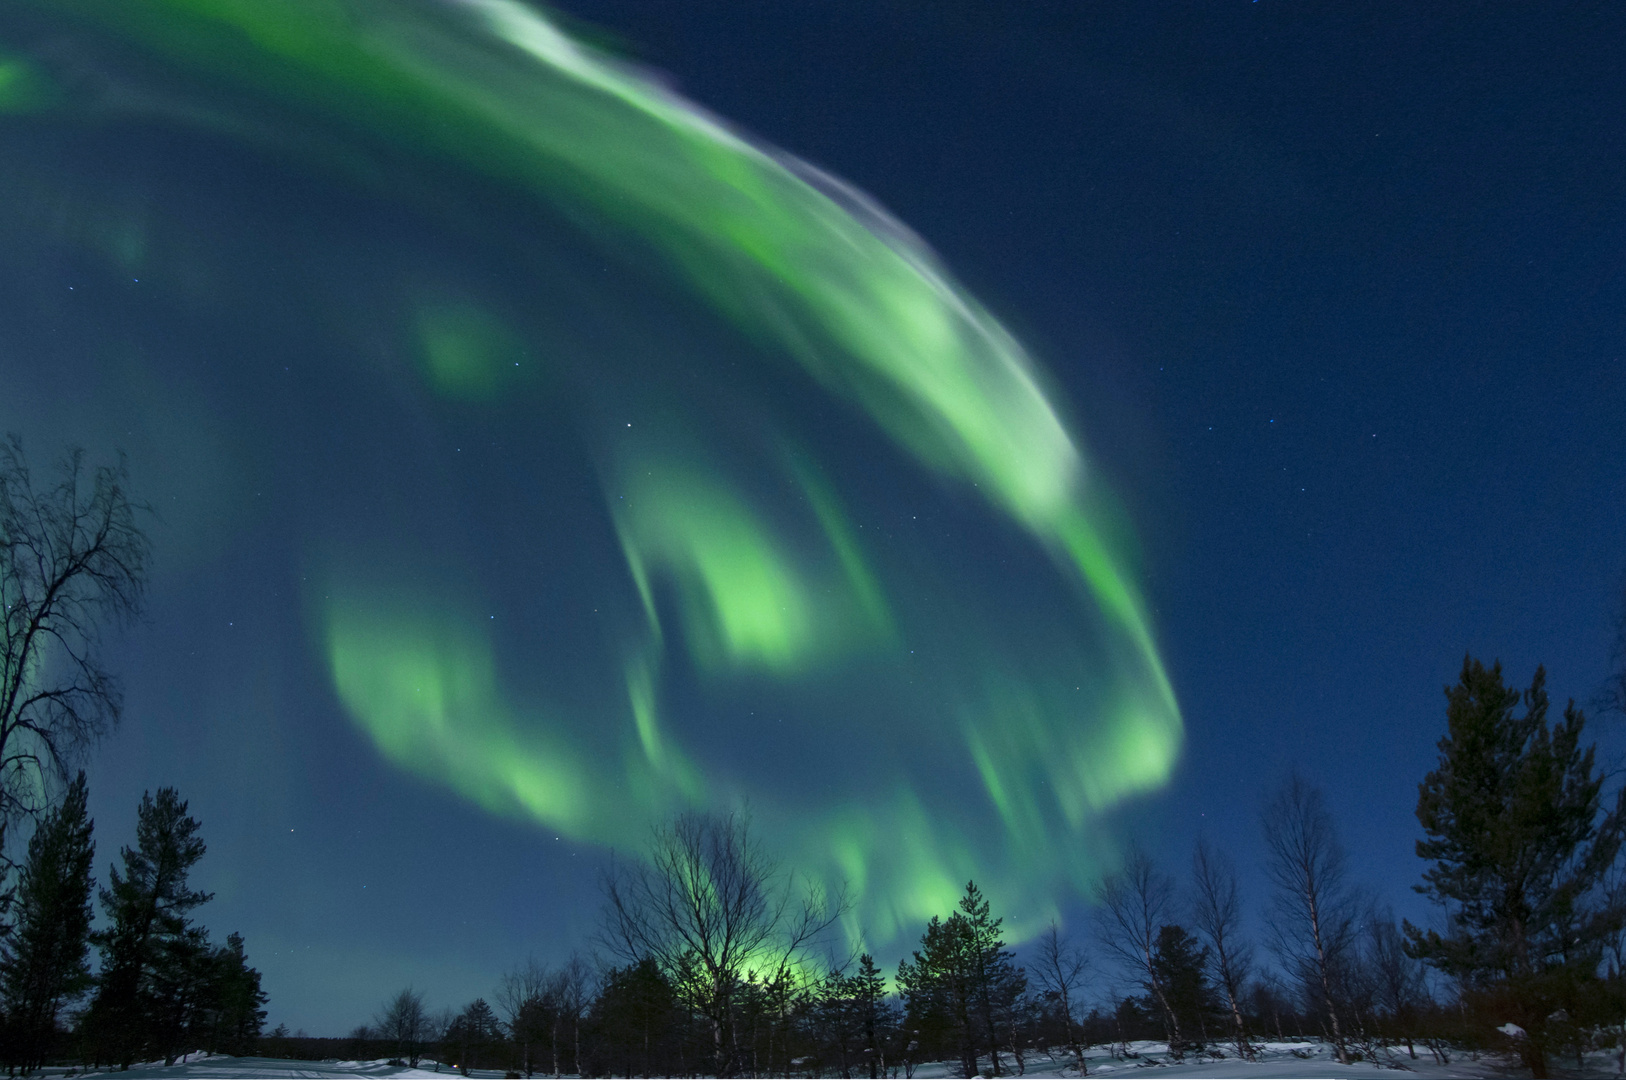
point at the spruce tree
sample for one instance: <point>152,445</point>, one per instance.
<point>635,1019</point>
<point>151,952</point>
<point>46,962</point>
<point>836,1027</point>
<point>876,1017</point>
<point>471,1033</point>
<point>1520,844</point>
<point>1181,962</point>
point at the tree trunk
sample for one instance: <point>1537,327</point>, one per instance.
<point>1072,1040</point>
<point>1325,976</point>
<point>1243,1050</point>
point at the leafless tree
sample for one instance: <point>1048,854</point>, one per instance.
<point>1216,910</point>
<point>707,905</point>
<point>73,558</point>
<point>1135,902</point>
<point>437,1031</point>
<point>1612,698</point>
<point>1313,919</point>
<point>521,1000</point>
<point>569,992</point>
<point>404,1022</point>
<point>1059,967</point>
<point>1397,979</point>
<point>1267,996</point>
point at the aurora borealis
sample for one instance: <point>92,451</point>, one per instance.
<point>547,452</point>
<point>834,347</point>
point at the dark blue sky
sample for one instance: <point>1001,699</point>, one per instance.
<point>1337,296</point>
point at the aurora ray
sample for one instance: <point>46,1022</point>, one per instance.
<point>724,368</point>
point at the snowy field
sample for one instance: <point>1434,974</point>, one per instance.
<point>1278,1061</point>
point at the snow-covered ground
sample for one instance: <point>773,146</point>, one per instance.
<point>1277,1061</point>
<point>216,1067</point>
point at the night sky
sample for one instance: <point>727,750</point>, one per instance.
<point>1329,303</point>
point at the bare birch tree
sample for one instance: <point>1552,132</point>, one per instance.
<point>1398,983</point>
<point>405,1022</point>
<point>570,992</point>
<point>708,905</point>
<point>1216,910</point>
<point>1313,921</point>
<point>1135,903</point>
<point>1059,968</point>
<point>72,559</point>
<point>521,999</point>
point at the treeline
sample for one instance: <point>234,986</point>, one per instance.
<point>716,961</point>
<point>162,988</point>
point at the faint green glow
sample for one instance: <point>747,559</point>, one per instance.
<point>468,354</point>
<point>668,766</point>
<point>839,533</point>
<point>760,574</point>
<point>21,88</point>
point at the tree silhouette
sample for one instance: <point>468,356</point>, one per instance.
<point>151,952</point>
<point>46,963</point>
<point>1136,901</point>
<point>1312,918</point>
<point>1520,843</point>
<point>1216,910</point>
<point>707,905</point>
<point>72,558</point>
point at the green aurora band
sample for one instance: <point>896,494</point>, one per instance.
<point>757,585</point>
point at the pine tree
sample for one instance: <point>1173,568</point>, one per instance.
<point>937,989</point>
<point>231,1016</point>
<point>179,992</point>
<point>1520,844</point>
<point>997,983</point>
<point>150,952</point>
<point>46,962</point>
<point>964,979</point>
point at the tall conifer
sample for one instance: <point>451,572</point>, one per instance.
<point>1182,963</point>
<point>938,990</point>
<point>875,1016</point>
<point>150,950</point>
<point>46,962</point>
<point>1520,842</point>
<point>963,978</point>
<point>232,1016</point>
<point>997,983</point>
